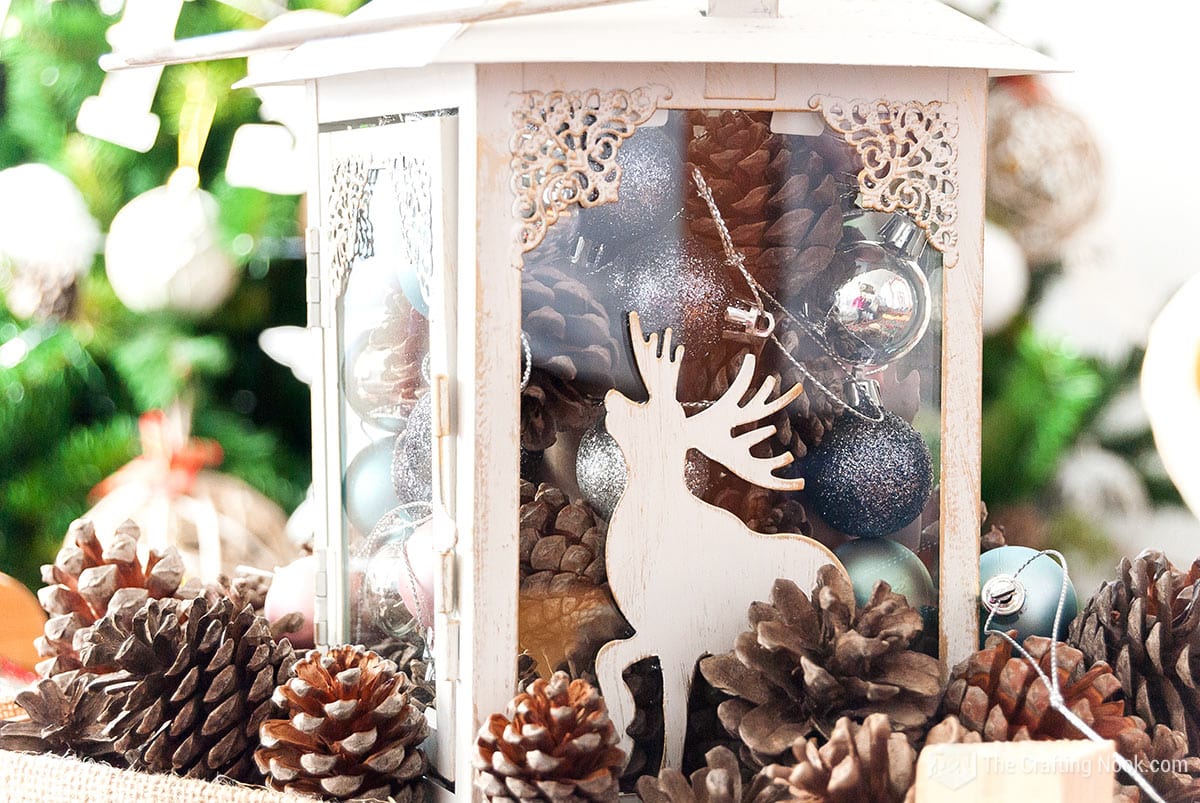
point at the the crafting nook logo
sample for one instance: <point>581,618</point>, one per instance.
<point>952,768</point>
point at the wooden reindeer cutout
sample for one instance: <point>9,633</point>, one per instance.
<point>682,571</point>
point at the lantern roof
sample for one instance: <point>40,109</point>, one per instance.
<point>880,33</point>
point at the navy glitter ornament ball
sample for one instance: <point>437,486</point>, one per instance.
<point>869,478</point>
<point>1025,603</point>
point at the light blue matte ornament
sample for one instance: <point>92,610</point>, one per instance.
<point>369,492</point>
<point>868,560</point>
<point>411,286</point>
<point>1025,602</point>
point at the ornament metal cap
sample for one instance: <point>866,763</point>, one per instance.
<point>902,233</point>
<point>862,391</point>
<point>1003,595</point>
<point>755,322</point>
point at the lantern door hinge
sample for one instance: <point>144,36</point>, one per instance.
<point>312,274</point>
<point>446,645</point>
<point>321,598</point>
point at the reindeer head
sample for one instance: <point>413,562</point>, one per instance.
<point>662,421</point>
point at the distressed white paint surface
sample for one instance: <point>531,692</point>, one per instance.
<point>895,33</point>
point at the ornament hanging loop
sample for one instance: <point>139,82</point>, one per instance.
<point>755,323</point>
<point>1003,595</point>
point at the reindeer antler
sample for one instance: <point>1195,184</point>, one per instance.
<point>711,431</point>
<point>659,374</point>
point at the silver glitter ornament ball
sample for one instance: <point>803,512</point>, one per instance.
<point>412,462</point>
<point>600,470</point>
<point>869,478</point>
<point>649,193</point>
<point>677,283</point>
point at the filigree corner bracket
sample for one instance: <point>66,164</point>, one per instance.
<point>909,154</point>
<point>564,151</point>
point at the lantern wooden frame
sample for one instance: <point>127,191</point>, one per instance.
<point>852,63</point>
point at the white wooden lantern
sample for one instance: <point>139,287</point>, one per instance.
<point>453,162</point>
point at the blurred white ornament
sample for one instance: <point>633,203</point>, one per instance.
<point>121,113</point>
<point>266,156</point>
<point>1093,307</point>
<point>47,237</point>
<point>1005,278</point>
<point>163,252</point>
<point>295,347</point>
<point>1171,390</point>
<point>1100,484</point>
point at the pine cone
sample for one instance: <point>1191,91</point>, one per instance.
<point>564,620</point>
<point>806,662</point>
<point>781,204</point>
<point>250,588</point>
<point>390,375</point>
<point>550,405</point>
<point>705,731</point>
<point>763,510</point>
<point>1146,625</point>
<point>352,730</point>
<point>566,611</point>
<point>408,653</point>
<point>555,742</point>
<point>859,763</point>
<point>64,718</point>
<point>87,581</point>
<point>195,683</point>
<point>644,679</point>
<point>559,536</point>
<point>813,413</point>
<point>992,539</point>
<point>999,695</point>
<point>568,329</point>
<point>1168,768</point>
<point>951,731</point>
<point>41,293</point>
<point>720,781</point>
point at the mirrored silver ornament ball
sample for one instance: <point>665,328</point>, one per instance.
<point>882,309</point>
<point>387,568</point>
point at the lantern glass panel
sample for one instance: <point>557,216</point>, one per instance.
<point>390,220</point>
<point>743,233</point>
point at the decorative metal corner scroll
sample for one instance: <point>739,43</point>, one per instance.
<point>351,234</point>
<point>909,155</point>
<point>564,151</point>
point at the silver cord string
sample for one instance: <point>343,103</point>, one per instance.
<point>1052,685</point>
<point>738,260</point>
<point>527,354</point>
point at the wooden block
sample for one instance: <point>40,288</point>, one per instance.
<point>743,8</point>
<point>999,772</point>
<point>21,623</point>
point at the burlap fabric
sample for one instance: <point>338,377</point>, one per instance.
<point>10,710</point>
<point>28,778</point>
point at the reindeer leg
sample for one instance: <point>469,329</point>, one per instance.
<point>677,682</point>
<point>611,662</point>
